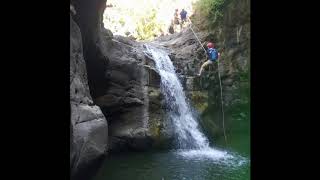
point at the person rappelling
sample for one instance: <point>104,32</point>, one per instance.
<point>213,56</point>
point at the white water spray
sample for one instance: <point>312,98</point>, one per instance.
<point>191,141</point>
<point>185,125</point>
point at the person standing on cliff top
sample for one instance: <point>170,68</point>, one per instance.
<point>176,20</point>
<point>213,55</point>
<point>183,17</point>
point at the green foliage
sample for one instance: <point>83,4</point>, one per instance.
<point>148,27</point>
<point>212,10</point>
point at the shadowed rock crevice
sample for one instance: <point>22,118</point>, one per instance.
<point>88,126</point>
<point>89,19</point>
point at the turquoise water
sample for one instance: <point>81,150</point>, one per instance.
<point>170,165</point>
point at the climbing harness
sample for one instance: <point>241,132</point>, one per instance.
<point>221,96</point>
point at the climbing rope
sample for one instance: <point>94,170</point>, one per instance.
<point>198,40</point>
<point>222,109</point>
<point>221,96</point>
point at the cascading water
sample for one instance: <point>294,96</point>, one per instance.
<point>185,125</point>
<point>192,142</point>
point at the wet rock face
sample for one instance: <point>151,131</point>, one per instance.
<point>130,98</point>
<point>88,126</point>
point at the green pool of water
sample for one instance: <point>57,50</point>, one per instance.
<point>172,165</point>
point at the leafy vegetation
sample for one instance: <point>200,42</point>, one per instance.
<point>211,10</point>
<point>148,27</point>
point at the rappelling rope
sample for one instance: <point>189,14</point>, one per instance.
<point>222,109</point>
<point>221,96</point>
<point>198,40</point>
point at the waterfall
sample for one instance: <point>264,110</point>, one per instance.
<point>185,124</point>
<point>192,143</point>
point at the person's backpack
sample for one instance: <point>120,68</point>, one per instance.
<point>213,54</point>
